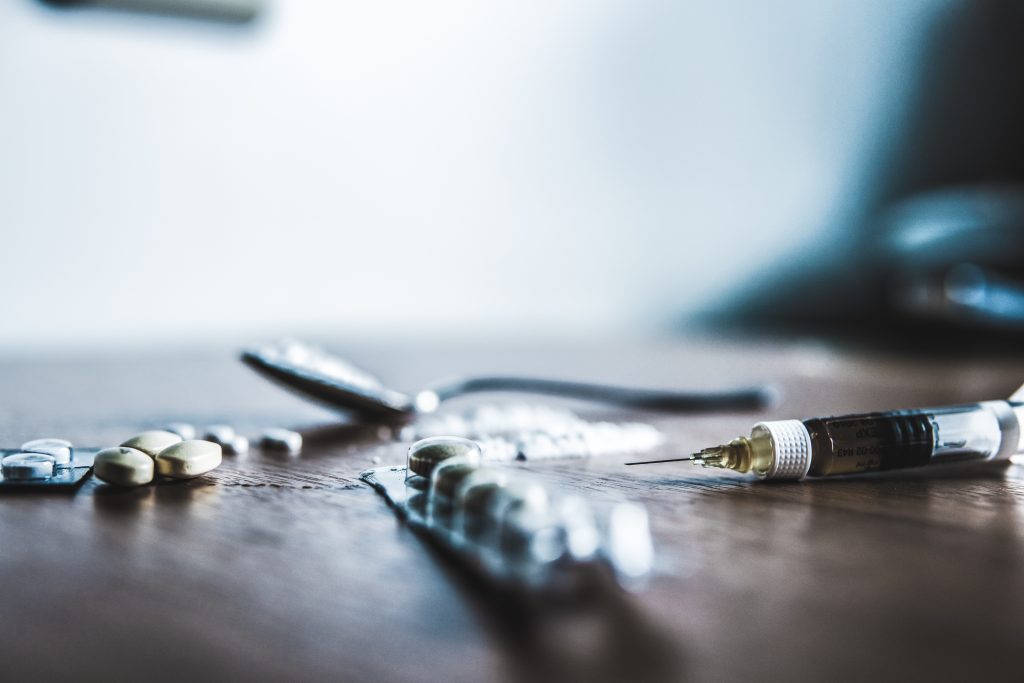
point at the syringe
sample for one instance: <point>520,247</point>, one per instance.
<point>827,446</point>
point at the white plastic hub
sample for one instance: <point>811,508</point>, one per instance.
<point>791,446</point>
<point>1009,428</point>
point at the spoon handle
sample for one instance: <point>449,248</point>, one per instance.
<point>328,379</point>
<point>336,386</point>
<point>664,400</point>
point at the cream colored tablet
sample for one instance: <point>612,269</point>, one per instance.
<point>152,442</point>
<point>188,459</point>
<point>123,466</point>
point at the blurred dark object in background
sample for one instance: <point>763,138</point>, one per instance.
<point>231,11</point>
<point>936,255</point>
<point>956,257</point>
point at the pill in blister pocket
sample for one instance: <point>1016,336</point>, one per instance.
<point>188,459</point>
<point>152,442</point>
<point>28,466</point>
<point>425,454</point>
<point>123,466</point>
<point>60,450</point>
<point>443,480</point>
<point>278,439</point>
<point>449,474</point>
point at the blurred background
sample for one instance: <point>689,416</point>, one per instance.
<point>457,169</point>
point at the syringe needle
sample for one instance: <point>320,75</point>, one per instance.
<point>655,462</point>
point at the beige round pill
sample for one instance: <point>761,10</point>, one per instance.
<point>123,466</point>
<point>152,442</point>
<point>425,454</point>
<point>188,459</point>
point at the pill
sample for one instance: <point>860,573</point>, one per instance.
<point>520,496</point>
<point>581,535</point>
<point>123,466</point>
<point>472,499</point>
<point>60,450</point>
<point>152,442</point>
<point>182,429</point>
<point>449,473</point>
<point>222,435</point>
<point>278,439</point>
<point>28,466</point>
<point>443,480</point>
<point>525,526</point>
<point>238,446</point>
<point>425,454</point>
<point>188,459</point>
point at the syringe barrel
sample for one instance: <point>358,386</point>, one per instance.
<point>913,438</point>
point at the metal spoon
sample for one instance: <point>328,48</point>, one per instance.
<point>316,374</point>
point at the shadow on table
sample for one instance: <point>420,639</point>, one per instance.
<point>598,636</point>
<point>115,500</point>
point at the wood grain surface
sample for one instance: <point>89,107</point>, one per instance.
<point>288,568</point>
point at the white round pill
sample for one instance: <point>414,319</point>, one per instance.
<point>278,439</point>
<point>152,442</point>
<point>222,435</point>
<point>188,459</point>
<point>123,466</point>
<point>28,466</point>
<point>238,446</point>
<point>182,429</point>
<point>60,450</point>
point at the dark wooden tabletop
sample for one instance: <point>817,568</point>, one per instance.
<point>288,568</point>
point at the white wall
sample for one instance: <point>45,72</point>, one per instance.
<point>581,166</point>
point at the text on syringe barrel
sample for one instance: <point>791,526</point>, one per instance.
<point>911,438</point>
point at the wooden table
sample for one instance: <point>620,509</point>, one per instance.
<point>289,568</point>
